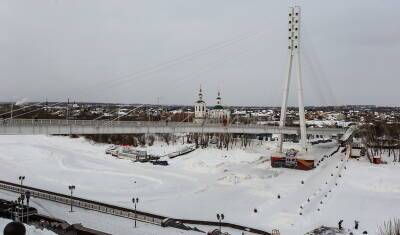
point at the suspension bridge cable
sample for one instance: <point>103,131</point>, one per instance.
<point>214,64</point>
<point>127,113</point>
<point>172,62</point>
<point>314,77</point>
<point>105,114</point>
<point>33,110</point>
<point>21,108</point>
<point>318,69</point>
<point>186,118</point>
<point>163,67</point>
<point>209,67</point>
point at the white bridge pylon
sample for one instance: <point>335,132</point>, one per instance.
<point>293,58</point>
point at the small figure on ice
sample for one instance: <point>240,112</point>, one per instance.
<point>340,224</point>
<point>356,224</point>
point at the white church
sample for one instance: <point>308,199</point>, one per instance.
<point>218,114</point>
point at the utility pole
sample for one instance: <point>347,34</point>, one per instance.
<point>119,112</point>
<point>158,107</point>
<point>293,56</point>
<point>67,114</point>
<point>12,109</point>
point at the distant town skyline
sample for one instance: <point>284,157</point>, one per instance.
<point>162,51</point>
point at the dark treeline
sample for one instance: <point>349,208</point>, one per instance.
<point>221,141</point>
<point>380,137</point>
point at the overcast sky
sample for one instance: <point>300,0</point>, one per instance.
<point>135,51</point>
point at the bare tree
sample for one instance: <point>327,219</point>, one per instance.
<point>142,140</point>
<point>151,139</point>
<point>166,137</point>
<point>391,227</point>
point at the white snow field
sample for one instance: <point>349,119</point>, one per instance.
<point>209,181</point>
<point>30,230</point>
<point>95,220</point>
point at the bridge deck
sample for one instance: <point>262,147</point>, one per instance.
<point>57,126</point>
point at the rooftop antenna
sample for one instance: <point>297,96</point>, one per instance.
<point>293,58</point>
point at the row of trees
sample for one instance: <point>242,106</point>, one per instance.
<point>222,141</point>
<point>380,137</point>
<point>134,140</point>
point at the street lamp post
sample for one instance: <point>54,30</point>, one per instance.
<point>27,195</point>
<point>135,201</point>
<point>21,179</point>
<point>15,210</point>
<point>22,207</point>
<point>18,209</point>
<point>71,188</point>
<point>220,217</point>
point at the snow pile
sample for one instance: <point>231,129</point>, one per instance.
<point>30,230</point>
<point>161,149</point>
<point>329,231</point>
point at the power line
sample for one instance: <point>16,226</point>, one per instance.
<point>209,67</point>
<point>317,71</point>
<point>105,114</point>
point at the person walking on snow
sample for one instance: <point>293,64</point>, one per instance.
<point>340,224</point>
<point>356,224</point>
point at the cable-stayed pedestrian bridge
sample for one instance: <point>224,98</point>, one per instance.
<point>81,127</point>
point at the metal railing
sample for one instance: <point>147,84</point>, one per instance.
<point>103,123</point>
<point>114,210</point>
<point>84,203</point>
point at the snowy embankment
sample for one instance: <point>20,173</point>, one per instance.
<point>209,181</point>
<point>30,230</point>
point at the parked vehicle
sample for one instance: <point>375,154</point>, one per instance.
<point>159,162</point>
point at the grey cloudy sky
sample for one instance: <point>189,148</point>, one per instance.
<point>135,51</point>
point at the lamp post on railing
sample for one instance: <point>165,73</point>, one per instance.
<point>22,208</point>
<point>21,179</point>
<point>220,217</point>
<point>135,201</point>
<point>71,188</point>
